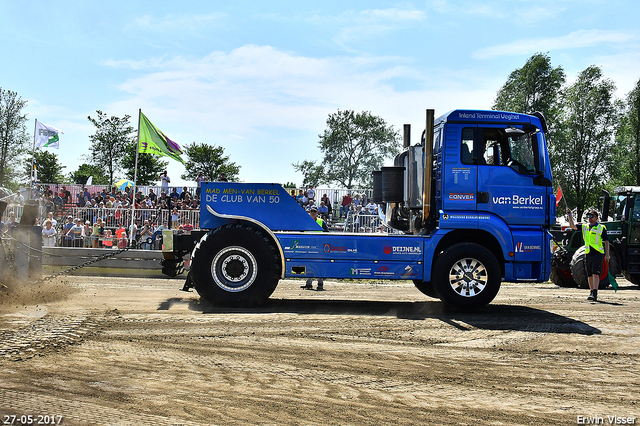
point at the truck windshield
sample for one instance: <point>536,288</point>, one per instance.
<point>521,155</point>
<point>619,208</point>
<point>497,147</point>
<point>636,209</point>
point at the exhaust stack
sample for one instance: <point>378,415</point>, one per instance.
<point>406,140</point>
<point>428,167</point>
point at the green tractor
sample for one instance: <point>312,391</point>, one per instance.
<point>621,216</point>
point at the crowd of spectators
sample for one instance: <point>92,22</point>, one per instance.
<point>118,198</point>
<point>361,211</point>
<point>75,216</point>
<point>307,199</point>
<point>103,218</point>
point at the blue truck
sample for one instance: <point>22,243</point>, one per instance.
<point>470,205</point>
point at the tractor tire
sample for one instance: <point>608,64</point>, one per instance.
<point>632,278</point>
<point>466,276</point>
<point>579,270</point>
<point>425,288</point>
<point>235,265</point>
<point>562,277</point>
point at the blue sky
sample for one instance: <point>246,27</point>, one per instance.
<point>260,78</point>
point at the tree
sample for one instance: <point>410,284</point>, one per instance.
<point>583,154</point>
<point>354,145</point>
<point>48,166</point>
<point>210,160</point>
<point>534,87</point>
<point>13,136</point>
<point>109,143</point>
<point>627,162</point>
<point>312,173</point>
<point>83,173</point>
<point>149,166</point>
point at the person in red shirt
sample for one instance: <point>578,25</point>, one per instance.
<point>121,235</point>
<point>187,226</point>
<point>346,202</point>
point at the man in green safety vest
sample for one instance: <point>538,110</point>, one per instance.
<point>596,241</point>
<point>313,212</point>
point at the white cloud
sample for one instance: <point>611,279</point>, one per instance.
<point>256,86</point>
<point>393,14</point>
<point>264,105</point>
<point>576,39</point>
<point>178,24</point>
<point>367,24</point>
<point>471,7</point>
<point>622,68</point>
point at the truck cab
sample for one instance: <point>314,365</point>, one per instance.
<point>491,184</point>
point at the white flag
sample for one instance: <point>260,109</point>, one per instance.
<point>89,181</point>
<point>46,136</point>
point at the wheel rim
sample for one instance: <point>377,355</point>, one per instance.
<point>234,269</point>
<point>468,277</point>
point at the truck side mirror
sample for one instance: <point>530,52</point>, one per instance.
<point>542,164</point>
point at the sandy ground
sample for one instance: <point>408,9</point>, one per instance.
<point>118,351</point>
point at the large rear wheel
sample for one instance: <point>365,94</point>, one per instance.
<point>579,268</point>
<point>235,265</point>
<point>562,277</point>
<point>466,276</point>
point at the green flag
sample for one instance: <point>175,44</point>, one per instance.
<point>613,282</point>
<point>152,141</point>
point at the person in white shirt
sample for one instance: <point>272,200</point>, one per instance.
<point>164,181</point>
<point>372,207</point>
<point>77,231</point>
<point>54,222</point>
<point>48,234</point>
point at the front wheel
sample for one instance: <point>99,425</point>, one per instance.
<point>235,265</point>
<point>466,276</point>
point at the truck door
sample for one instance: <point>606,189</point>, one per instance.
<point>508,164</point>
<point>460,170</point>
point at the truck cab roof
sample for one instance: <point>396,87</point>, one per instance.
<point>627,190</point>
<point>490,116</point>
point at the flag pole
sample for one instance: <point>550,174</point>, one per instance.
<point>33,153</point>
<point>135,178</point>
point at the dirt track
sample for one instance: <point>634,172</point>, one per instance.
<point>138,351</point>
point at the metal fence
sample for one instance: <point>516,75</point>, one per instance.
<point>114,219</point>
<point>38,190</point>
<point>354,221</point>
<point>335,196</point>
